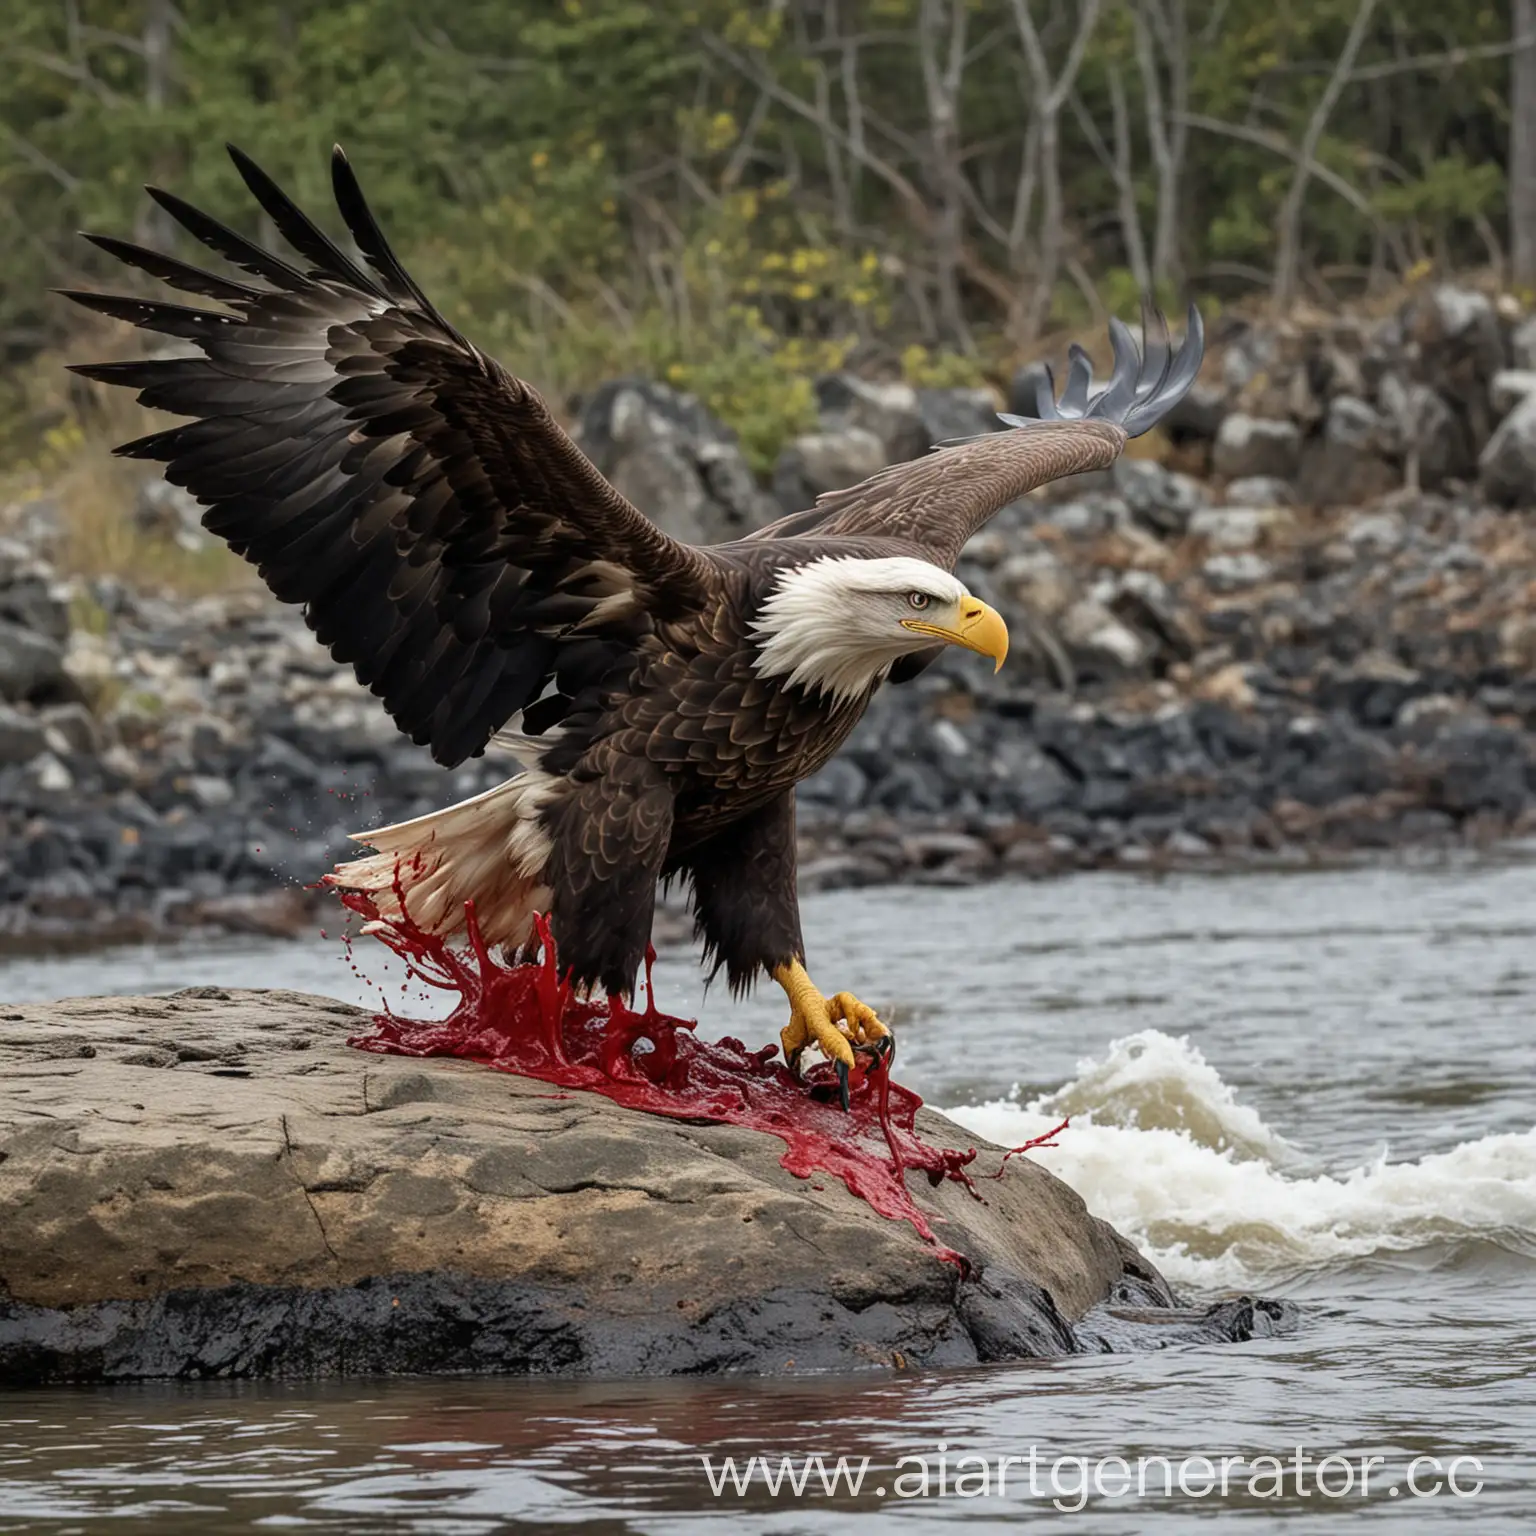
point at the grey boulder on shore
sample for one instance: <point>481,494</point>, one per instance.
<point>214,1184</point>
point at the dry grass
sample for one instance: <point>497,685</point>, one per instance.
<point>98,536</point>
<point>57,438</point>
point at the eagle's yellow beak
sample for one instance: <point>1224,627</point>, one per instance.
<point>976,626</point>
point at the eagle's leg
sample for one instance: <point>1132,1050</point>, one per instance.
<point>835,1024</point>
<point>749,919</point>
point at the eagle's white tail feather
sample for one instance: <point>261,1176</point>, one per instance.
<point>526,749</point>
<point>491,849</point>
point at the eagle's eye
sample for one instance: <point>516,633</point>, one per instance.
<point>918,599</point>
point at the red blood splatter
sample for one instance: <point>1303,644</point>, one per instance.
<point>524,1019</point>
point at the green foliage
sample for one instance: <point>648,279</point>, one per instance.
<point>1448,191</point>
<point>597,186</point>
<point>932,369</point>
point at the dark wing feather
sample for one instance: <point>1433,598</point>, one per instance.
<point>937,502</point>
<point>444,535</point>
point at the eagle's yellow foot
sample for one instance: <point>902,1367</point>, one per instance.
<point>837,1025</point>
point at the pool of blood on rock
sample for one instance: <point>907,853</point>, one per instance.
<point>524,1018</point>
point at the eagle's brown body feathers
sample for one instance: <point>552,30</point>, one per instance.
<point>449,541</point>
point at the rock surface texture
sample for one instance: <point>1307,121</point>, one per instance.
<point>213,1184</point>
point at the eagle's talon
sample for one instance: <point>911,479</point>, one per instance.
<point>883,1049</point>
<point>842,1084</point>
<point>839,1025</point>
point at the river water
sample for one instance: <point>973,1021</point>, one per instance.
<point>1315,1085</point>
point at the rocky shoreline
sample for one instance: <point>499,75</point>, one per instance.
<point>214,1185</point>
<point>1307,633</point>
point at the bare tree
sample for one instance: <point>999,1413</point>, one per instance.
<point>153,226</point>
<point>1047,97</point>
<point>1288,255</point>
<point>941,49</point>
<point>1115,157</point>
<point>888,162</point>
<point>833,155</point>
<point>1522,146</point>
<point>1282,146</point>
<point>1161,29</point>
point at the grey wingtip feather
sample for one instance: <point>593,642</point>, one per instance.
<point>1145,383</point>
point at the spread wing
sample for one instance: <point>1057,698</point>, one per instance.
<point>443,533</point>
<point>940,500</point>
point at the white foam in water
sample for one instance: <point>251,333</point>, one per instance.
<point>1151,1081</point>
<point>1160,1148</point>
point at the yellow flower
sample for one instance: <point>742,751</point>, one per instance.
<point>804,290</point>
<point>538,160</point>
<point>721,131</point>
<point>677,372</point>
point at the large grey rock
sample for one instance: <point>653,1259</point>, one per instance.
<point>1145,602</point>
<point>1099,643</point>
<point>1507,464</point>
<point>1522,343</point>
<point>1254,445</point>
<point>1510,386</point>
<point>1353,423</point>
<point>825,461</point>
<point>675,461</point>
<point>1236,573</point>
<point>214,1184</point>
<point>1157,497</point>
<point>70,728</point>
<point>1249,352</point>
<point>30,663</point>
<point>1228,528</point>
<point>1457,331</point>
<point>952,413</point>
<point>1381,532</point>
<point>32,599</point>
<point>888,410</point>
<point>1457,346</point>
<point>21,736</point>
<point>1024,387</point>
<point>1346,464</point>
<point>1430,436</point>
<point>1199,415</point>
<point>1259,491</point>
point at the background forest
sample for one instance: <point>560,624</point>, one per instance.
<point>733,196</point>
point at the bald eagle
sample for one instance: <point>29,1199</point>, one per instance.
<point>450,542</point>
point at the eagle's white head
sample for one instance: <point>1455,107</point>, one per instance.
<point>837,625</point>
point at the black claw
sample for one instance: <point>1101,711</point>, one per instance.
<point>792,1061</point>
<point>883,1049</point>
<point>842,1084</point>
